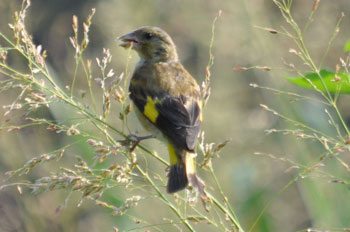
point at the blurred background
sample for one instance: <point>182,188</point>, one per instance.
<point>233,111</point>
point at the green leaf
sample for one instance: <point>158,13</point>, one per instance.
<point>347,46</point>
<point>339,86</point>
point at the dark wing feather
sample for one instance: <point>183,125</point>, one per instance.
<point>179,123</point>
<point>178,119</point>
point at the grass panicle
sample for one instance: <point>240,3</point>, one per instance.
<point>115,166</point>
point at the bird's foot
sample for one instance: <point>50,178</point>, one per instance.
<point>134,140</point>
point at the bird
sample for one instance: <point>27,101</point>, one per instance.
<point>167,102</point>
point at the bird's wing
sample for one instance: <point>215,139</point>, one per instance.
<point>177,117</point>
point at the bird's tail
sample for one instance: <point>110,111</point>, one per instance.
<point>177,178</point>
<point>183,172</point>
<point>177,175</point>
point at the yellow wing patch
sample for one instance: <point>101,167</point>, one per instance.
<point>172,155</point>
<point>150,110</point>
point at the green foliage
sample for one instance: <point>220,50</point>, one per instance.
<point>335,83</point>
<point>347,46</point>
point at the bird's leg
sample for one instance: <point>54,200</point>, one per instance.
<point>137,139</point>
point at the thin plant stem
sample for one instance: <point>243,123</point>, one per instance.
<point>285,8</point>
<point>88,79</point>
<point>48,77</point>
<point>335,32</point>
<point>268,204</point>
<point>74,75</point>
<point>231,214</point>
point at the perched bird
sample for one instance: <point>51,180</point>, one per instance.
<point>167,100</point>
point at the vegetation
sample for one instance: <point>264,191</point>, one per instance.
<point>75,113</point>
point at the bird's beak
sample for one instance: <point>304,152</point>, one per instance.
<point>128,40</point>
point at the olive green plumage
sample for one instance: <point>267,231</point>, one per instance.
<point>167,100</point>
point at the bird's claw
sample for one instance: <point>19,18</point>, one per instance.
<point>134,140</point>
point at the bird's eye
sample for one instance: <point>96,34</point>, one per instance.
<point>148,35</point>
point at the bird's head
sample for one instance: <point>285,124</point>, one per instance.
<point>151,43</point>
